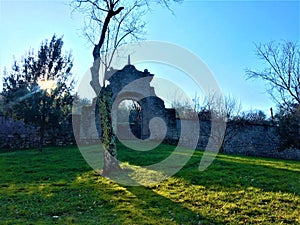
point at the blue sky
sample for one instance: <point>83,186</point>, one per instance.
<point>221,33</point>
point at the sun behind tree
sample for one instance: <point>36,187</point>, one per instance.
<point>38,88</point>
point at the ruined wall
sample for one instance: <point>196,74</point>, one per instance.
<point>87,130</point>
<point>258,139</point>
<point>250,139</point>
<point>17,135</point>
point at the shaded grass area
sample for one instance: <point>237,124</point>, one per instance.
<point>58,187</point>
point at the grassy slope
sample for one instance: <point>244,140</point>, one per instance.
<point>58,187</point>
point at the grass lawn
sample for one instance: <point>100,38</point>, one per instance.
<point>57,186</point>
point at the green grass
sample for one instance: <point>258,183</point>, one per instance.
<point>58,187</point>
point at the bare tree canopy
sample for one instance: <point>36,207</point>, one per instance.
<point>111,23</point>
<point>282,72</point>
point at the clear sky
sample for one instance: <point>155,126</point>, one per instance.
<point>221,33</point>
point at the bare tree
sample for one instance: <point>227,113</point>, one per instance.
<point>185,108</point>
<point>226,110</point>
<point>224,107</point>
<point>282,72</point>
<point>109,24</point>
<point>212,109</point>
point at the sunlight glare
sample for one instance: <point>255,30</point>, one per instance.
<point>47,85</point>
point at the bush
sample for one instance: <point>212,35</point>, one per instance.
<point>288,127</point>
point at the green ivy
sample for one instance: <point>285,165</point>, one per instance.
<point>108,137</point>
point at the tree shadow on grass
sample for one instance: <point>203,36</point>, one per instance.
<point>235,172</point>
<point>36,188</point>
<point>58,187</point>
<point>162,210</point>
<point>150,207</point>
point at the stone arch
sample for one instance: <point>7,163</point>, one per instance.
<point>132,84</point>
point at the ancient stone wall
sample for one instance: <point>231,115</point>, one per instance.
<point>250,139</point>
<point>17,135</point>
<point>259,139</point>
<point>253,139</point>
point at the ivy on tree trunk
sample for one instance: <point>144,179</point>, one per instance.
<point>108,138</point>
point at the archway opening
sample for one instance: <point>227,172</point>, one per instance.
<point>129,120</point>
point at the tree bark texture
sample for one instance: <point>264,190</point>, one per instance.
<point>108,137</point>
<point>104,103</point>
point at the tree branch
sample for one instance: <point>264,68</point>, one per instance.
<point>110,14</point>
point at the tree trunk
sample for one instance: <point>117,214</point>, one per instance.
<point>104,104</point>
<point>42,127</point>
<point>111,163</point>
<point>42,137</point>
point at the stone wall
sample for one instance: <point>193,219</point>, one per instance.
<point>17,135</point>
<point>243,138</point>
<point>252,139</point>
<point>87,131</point>
<point>261,140</point>
<point>14,134</point>
<point>247,138</point>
